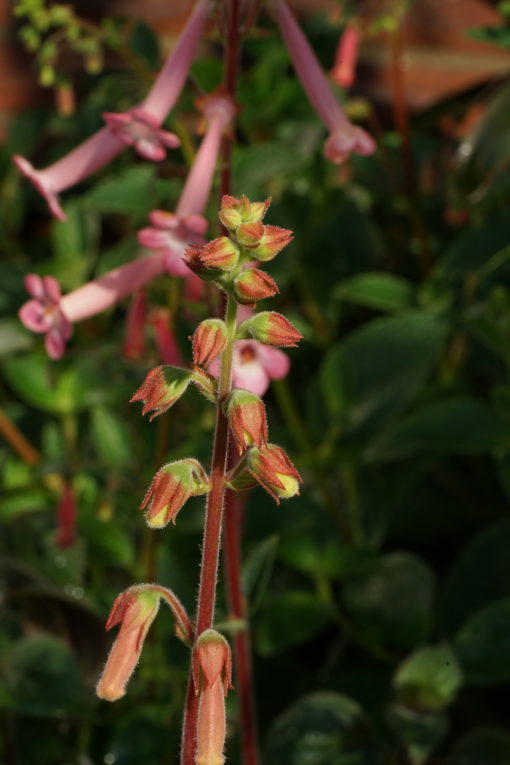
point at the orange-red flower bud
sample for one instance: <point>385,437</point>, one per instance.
<point>247,418</point>
<point>250,234</point>
<point>270,328</point>
<point>170,488</point>
<point>164,385</point>
<point>234,212</point>
<point>252,285</point>
<point>273,469</point>
<point>220,254</point>
<point>272,241</point>
<point>212,672</point>
<point>136,608</point>
<point>209,340</point>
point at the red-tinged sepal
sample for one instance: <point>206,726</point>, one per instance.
<point>273,469</point>
<point>135,609</point>
<point>247,418</point>
<point>211,661</point>
<point>252,285</point>
<point>270,328</point>
<point>250,234</point>
<point>171,488</point>
<point>209,341</point>
<point>220,254</point>
<point>212,673</point>
<point>163,386</point>
<point>194,263</point>
<point>273,240</point>
<point>234,212</point>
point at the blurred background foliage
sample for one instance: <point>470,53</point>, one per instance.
<point>380,598</point>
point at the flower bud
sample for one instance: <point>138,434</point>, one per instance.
<point>136,608</point>
<point>234,212</point>
<point>274,471</point>
<point>209,340</point>
<point>170,488</point>
<point>247,418</point>
<point>250,234</point>
<point>252,285</point>
<point>272,241</point>
<point>270,328</point>
<point>220,254</point>
<point>164,385</point>
<point>212,672</point>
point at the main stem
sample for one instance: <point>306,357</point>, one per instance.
<point>212,529</point>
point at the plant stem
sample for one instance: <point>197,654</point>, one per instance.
<point>212,529</point>
<point>17,440</point>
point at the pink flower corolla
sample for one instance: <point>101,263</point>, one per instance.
<point>345,137</point>
<point>166,342</point>
<point>172,233</point>
<point>254,366</point>
<point>346,56</point>
<point>136,320</point>
<point>140,124</point>
<point>53,315</point>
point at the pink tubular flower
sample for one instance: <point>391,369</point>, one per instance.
<point>254,366</point>
<point>139,126</point>
<point>346,56</point>
<point>166,342</point>
<point>345,137</point>
<point>53,315</point>
<point>173,232</point>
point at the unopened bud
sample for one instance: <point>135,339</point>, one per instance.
<point>212,672</point>
<point>273,469</point>
<point>234,211</point>
<point>162,387</point>
<point>247,418</point>
<point>250,234</point>
<point>252,285</point>
<point>270,328</point>
<point>272,241</point>
<point>170,488</point>
<point>220,254</point>
<point>136,609</point>
<point>209,341</point>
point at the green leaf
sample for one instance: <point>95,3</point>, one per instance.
<point>43,679</point>
<point>21,503</point>
<point>479,575</point>
<point>111,437</point>
<point>381,291</point>
<point>459,425</point>
<point>320,729</point>
<point>483,746</point>
<point>74,243</point>
<point>13,337</point>
<point>328,558</point>
<point>257,569</point>
<point>261,164</point>
<point>483,645</point>
<point>393,604</point>
<point>380,367</point>
<point>131,191</point>
<point>429,679</point>
<point>419,732</point>
<point>289,619</point>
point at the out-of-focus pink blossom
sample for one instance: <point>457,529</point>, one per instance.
<point>43,314</point>
<point>346,56</point>
<point>53,315</point>
<point>136,319</point>
<point>345,137</point>
<point>141,130</point>
<point>173,232</point>
<point>166,342</point>
<point>138,127</point>
<point>254,366</point>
